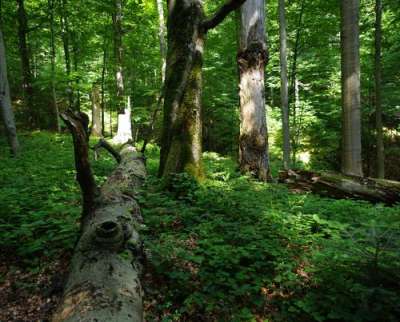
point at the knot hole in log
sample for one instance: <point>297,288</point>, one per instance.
<point>110,235</point>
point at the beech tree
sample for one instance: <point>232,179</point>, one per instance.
<point>351,119</point>
<point>284,84</point>
<point>97,128</point>
<point>380,149</point>
<point>51,7</point>
<point>181,146</point>
<point>252,57</point>
<point>5,101</point>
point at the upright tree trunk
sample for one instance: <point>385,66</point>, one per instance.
<point>181,148</point>
<point>103,79</point>
<point>351,127</point>
<point>27,88</point>
<point>75,50</point>
<point>51,5</point>
<point>380,150</point>
<point>5,101</point>
<point>296,120</point>
<point>65,35</point>
<point>284,85</point>
<point>252,57</point>
<point>293,79</point>
<point>124,132</point>
<point>161,36</point>
<point>163,55</point>
<point>97,129</point>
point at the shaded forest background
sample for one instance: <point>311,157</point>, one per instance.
<point>313,57</point>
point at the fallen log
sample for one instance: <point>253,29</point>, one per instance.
<point>103,283</point>
<point>335,185</point>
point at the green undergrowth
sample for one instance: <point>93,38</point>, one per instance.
<point>40,198</point>
<point>233,249</point>
<point>228,249</point>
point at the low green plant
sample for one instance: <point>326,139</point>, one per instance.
<point>233,249</point>
<point>39,196</point>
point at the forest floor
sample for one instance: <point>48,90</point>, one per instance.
<point>228,249</point>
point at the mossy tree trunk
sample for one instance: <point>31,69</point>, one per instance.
<point>181,147</point>
<point>252,57</point>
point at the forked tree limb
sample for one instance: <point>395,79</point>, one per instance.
<point>108,147</point>
<point>77,123</point>
<point>221,14</point>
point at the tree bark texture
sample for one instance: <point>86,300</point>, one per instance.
<point>351,106</point>
<point>335,185</point>
<point>293,77</point>
<point>252,57</point>
<point>5,102</point>
<point>103,84</point>
<point>380,149</point>
<point>97,129</point>
<point>103,283</point>
<point>284,84</point>
<point>181,146</point>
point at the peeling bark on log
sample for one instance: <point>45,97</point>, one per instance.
<point>103,283</point>
<point>335,185</point>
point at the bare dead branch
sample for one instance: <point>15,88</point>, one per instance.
<point>221,14</point>
<point>77,123</point>
<point>107,146</point>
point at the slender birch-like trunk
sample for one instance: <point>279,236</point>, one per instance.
<point>284,85</point>
<point>97,129</point>
<point>380,149</point>
<point>51,5</point>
